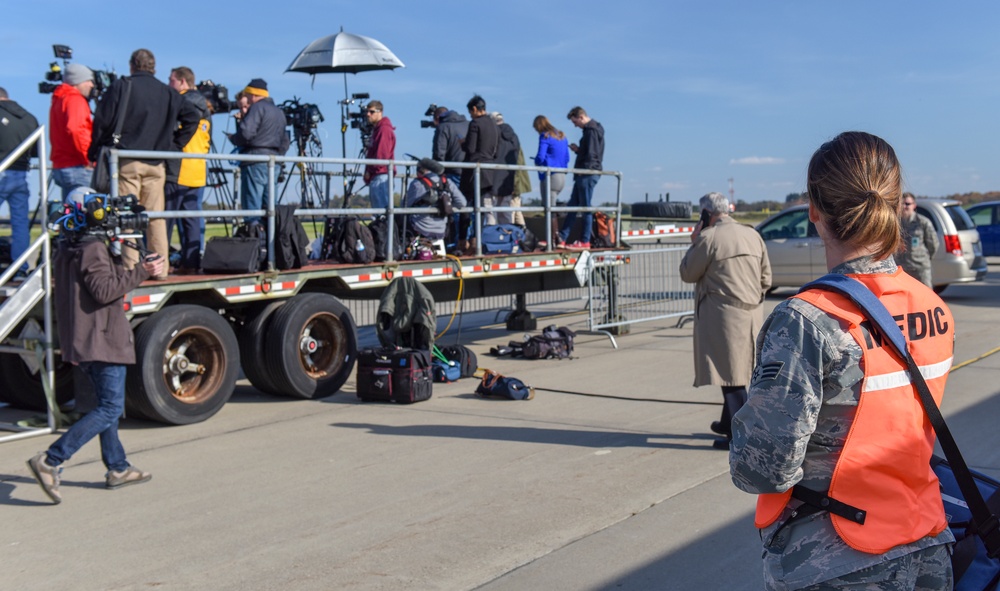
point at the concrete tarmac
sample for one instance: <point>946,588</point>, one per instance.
<point>606,480</point>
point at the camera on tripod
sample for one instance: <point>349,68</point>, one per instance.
<point>100,215</point>
<point>302,117</point>
<point>429,113</point>
<point>217,96</point>
<point>54,77</point>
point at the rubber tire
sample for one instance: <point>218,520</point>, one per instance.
<point>253,342</point>
<point>324,317</point>
<point>22,389</point>
<point>208,340</point>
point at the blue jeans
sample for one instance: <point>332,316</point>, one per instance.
<point>253,187</point>
<point>378,190</point>
<point>71,178</point>
<point>181,198</point>
<point>109,386</point>
<point>14,190</point>
<point>583,192</point>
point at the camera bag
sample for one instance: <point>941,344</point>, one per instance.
<point>494,385</point>
<point>392,374</point>
<point>502,239</point>
<point>225,254</point>
<point>603,234</point>
<point>463,357</point>
<point>553,343</point>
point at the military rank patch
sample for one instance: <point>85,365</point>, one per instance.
<point>768,371</point>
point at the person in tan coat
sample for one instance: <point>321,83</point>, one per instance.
<point>728,264</point>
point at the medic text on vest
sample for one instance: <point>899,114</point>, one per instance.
<point>914,326</point>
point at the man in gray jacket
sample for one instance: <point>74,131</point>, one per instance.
<point>261,131</point>
<point>450,128</point>
<point>94,334</point>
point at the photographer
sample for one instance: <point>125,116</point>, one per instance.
<point>94,334</point>
<point>450,128</point>
<point>432,188</point>
<point>261,131</point>
<point>70,129</point>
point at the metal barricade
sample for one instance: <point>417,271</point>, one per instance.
<point>641,285</point>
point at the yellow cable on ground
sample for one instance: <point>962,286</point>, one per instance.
<point>461,282</point>
<point>980,358</point>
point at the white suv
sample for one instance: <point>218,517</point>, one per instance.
<point>798,256</point>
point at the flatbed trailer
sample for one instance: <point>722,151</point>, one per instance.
<point>289,331</point>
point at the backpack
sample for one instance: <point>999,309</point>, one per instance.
<point>502,239</point>
<point>350,241</point>
<point>445,372</point>
<point>603,234</point>
<point>291,242</point>
<point>495,385</point>
<point>463,356</point>
<point>437,195</point>
<point>379,227</point>
<point>552,343</point>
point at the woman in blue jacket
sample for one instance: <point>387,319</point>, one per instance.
<point>553,151</point>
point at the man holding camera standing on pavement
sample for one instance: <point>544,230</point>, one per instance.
<point>152,112</point>
<point>381,146</point>
<point>95,335</point>
<point>261,131</point>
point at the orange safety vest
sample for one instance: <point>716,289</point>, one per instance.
<point>884,467</point>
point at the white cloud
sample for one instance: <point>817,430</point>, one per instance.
<point>755,160</point>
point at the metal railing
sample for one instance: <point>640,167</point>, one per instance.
<point>43,282</point>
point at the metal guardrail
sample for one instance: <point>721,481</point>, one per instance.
<point>640,285</point>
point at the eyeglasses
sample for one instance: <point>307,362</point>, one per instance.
<point>372,111</point>
<point>909,203</point>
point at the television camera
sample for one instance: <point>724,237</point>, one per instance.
<point>53,78</point>
<point>302,117</point>
<point>217,96</point>
<point>429,113</point>
<point>100,215</point>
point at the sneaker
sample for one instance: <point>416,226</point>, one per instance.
<point>577,245</point>
<point>47,476</point>
<point>131,475</point>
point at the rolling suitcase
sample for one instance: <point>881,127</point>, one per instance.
<point>394,375</point>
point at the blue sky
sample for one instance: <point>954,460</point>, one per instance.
<point>690,93</point>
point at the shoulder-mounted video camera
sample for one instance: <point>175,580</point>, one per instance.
<point>99,215</point>
<point>302,117</point>
<point>217,96</point>
<point>429,113</point>
<point>54,77</point>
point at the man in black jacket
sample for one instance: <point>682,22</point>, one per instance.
<point>16,125</point>
<point>589,156</point>
<point>156,117</point>
<point>481,145</point>
<point>450,128</point>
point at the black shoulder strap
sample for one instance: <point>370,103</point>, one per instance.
<point>117,135</point>
<point>986,524</point>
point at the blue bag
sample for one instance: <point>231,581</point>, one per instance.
<point>495,385</point>
<point>502,239</point>
<point>973,569</point>
<point>446,371</point>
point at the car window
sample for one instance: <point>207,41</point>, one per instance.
<point>927,214</point>
<point>960,217</point>
<point>982,216</point>
<point>794,224</point>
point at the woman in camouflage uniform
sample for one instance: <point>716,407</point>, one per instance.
<point>807,384</point>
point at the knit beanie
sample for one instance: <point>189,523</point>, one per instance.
<point>77,73</point>
<point>256,87</point>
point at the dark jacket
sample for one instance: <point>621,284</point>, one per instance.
<point>262,130</point>
<point>152,115</point>
<point>451,130</point>
<point>508,150</point>
<point>89,286</point>
<point>430,226</point>
<point>590,153</point>
<point>16,125</point>
<point>481,145</point>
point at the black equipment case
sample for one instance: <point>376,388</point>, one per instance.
<point>394,375</point>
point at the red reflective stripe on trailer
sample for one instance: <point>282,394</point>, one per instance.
<point>241,289</point>
<point>140,300</point>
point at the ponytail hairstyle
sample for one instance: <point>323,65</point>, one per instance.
<point>543,126</point>
<point>855,184</point>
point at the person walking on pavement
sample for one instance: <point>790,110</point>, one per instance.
<point>728,264</point>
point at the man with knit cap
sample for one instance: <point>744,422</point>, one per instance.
<point>70,128</point>
<point>262,132</point>
<point>156,117</point>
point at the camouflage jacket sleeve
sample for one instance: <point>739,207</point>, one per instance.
<point>771,432</point>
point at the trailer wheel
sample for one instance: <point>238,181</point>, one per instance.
<point>312,346</point>
<point>22,389</point>
<point>187,361</point>
<point>253,342</point>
